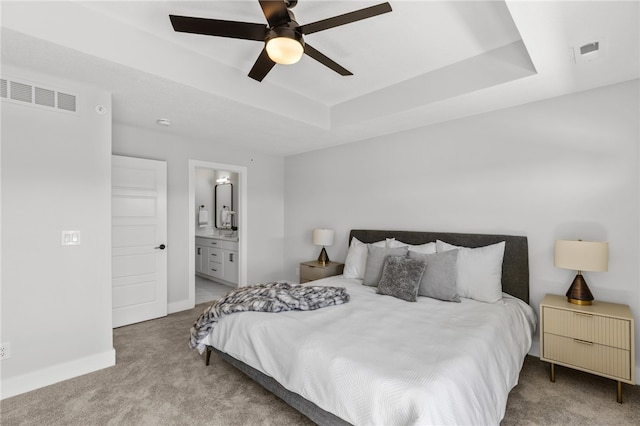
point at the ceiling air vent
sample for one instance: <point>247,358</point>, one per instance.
<point>589,47</point>
<point>37,96</point>
<point>588,50</point>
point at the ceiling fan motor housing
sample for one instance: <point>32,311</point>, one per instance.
<point>288,31</point>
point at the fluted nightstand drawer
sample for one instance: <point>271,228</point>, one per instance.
<point>311,271</point>
<point>588,327</point>
<point>592,357</point>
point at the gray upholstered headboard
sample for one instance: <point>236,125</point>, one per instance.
<point>515,266</point>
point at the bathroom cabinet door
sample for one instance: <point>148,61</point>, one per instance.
<point>231,266</point>
<point>202,259</point>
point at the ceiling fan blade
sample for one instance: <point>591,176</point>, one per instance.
<point>262,66</point>
<point>347,18</point>
<point>220,28</point>
<point>275,11</point>
<point>324,60</point>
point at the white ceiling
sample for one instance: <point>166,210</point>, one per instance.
<point>423,63</point>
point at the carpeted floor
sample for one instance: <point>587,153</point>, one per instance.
<point>159,381</point>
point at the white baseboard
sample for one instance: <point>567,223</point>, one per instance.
<point>57,373</point>
<point>182,305</point>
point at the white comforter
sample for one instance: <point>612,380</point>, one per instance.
<point>380,360</point>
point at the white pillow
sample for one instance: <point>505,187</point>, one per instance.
<point>356,262</point>
<point>479,271</point>
<point>428,248</point>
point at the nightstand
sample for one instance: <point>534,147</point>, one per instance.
<point>594,338</point>
<point>310,271</point>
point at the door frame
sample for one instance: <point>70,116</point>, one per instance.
<point>241,217</point>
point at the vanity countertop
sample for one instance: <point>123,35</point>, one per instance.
<point>219,237</point>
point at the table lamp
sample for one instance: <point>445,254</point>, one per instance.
<point>323,237</point>
<point>581,256</point>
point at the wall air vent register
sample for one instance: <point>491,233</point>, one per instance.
<point>33,95</point>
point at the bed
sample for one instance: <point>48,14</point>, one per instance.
<point>382,360</point>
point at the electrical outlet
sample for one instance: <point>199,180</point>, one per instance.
<point>5,350</point>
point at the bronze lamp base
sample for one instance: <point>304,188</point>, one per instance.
<point>579,292</point>
<point>323,258</point>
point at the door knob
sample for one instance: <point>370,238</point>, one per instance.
<point>161,247</point>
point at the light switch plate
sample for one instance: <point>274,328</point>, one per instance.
<point>70,238</point>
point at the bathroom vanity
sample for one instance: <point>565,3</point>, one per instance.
<point>217,258</point>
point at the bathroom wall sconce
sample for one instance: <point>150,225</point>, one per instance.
<point>223,180</point>
<point>323,237</point>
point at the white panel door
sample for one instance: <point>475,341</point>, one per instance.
<point>138,235</point>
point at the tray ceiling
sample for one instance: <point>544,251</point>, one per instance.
<point>425,62</point>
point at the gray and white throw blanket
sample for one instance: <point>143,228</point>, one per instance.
<point>270,297</point>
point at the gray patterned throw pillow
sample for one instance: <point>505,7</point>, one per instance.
<point>401,277</point>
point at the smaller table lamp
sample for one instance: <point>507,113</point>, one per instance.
<point>323,237</point>
<point>581,256</point>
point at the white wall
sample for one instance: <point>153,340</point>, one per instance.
<point>561,168</point>
<point>205,182</point>
<point>56,300</point>
<point>265,194</point>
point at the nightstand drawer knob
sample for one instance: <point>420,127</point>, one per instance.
<point>584,342</point>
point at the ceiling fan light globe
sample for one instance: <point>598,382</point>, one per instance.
<point>284,50</point>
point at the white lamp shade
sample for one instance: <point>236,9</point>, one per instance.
<point>323,237</point>
<point>581,255</point>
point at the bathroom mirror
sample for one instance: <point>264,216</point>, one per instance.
<point>224,213</point>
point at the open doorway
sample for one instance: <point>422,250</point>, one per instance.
<point>204,222</point>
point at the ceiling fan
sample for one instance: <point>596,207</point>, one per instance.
<point>283,37</point>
